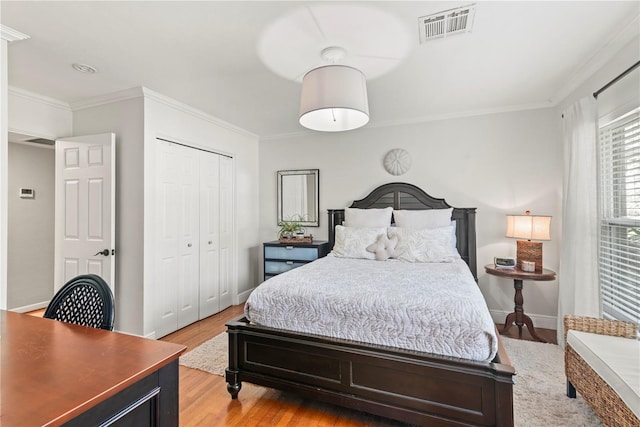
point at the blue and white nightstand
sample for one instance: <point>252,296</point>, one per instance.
<point>281,257</point>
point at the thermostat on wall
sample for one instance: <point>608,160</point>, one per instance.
<point>27,193</point>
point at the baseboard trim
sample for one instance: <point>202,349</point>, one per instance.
<point>31,307</point>
<point>539,320</point>
<point>243,296</point>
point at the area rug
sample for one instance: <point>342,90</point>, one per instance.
<point>539,393</point>
<point>210,356</point>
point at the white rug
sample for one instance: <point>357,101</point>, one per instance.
<point>539,393</point>
<point>539,397</point>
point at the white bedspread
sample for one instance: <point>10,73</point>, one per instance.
<point>427,307</point>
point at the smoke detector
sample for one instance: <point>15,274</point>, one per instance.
<point>446,23</point>
<point>84,68</point>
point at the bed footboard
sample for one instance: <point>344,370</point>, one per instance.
<point>412,387</point>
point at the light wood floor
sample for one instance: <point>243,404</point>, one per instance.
<point>204,400</point>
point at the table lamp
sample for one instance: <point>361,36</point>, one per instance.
<point>530,227</point>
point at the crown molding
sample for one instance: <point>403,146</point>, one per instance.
<point>599,58</point>
<point>187,109</point>
<point>11,35</point>
<point>427,119</point>
<point>463,114</point>
<point>109,98</point>
<point>41,99</point>
<point>146,93</point>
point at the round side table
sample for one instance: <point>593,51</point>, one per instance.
<point>518,317</point>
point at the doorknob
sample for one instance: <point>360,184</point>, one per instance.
<point>104,252</point>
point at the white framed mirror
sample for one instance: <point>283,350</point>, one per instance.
<point>298,196</point>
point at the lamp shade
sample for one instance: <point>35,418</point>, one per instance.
<point>530,227</point>
<point>333,99</point>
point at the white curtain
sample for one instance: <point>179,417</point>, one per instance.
<point>578,276</point>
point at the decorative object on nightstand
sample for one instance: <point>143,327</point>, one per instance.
<point>530,227</point>
<point>290,228</point>
<point>281,257</point>
<point>518,317</point>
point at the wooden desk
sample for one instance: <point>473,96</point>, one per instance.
<point>518,315</point>
<point>55,373</point>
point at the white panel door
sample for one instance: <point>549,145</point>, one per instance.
<point>209,234</point>
<point>226,231</point>
<point>85,208</point>
<point>189,241</point>
<point>176,282</point>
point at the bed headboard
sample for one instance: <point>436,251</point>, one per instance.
<point>400,195</point>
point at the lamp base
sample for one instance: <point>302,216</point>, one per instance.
<point>529,251</point>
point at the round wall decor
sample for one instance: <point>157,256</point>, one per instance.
<point>397,161</point>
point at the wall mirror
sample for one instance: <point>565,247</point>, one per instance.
<point>298,196</point>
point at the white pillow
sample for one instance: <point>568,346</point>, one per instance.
<point>421,219</point>
<point>427,245</point>
<point>354,217</point>
<point>351,242</point>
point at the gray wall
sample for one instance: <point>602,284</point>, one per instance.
<point>501,163</point>
<point>31,226</point>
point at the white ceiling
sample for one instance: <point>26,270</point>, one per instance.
<point>205,54</point>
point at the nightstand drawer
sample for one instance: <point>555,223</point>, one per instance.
<point>290,253</point>
<point>281,257</point>
<point>277,267</point>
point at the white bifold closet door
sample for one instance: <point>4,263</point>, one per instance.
<point>194,220</point>
<point>215,233</point>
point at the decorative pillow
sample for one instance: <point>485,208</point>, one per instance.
<point>351,242</point>
<point>384,247</point>
<point>421,219</point>
<point>369,218</point>
<point>428,245</point>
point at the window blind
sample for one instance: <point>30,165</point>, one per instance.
<point>619,247</point>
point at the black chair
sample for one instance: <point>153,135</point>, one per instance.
<point>84,300</point>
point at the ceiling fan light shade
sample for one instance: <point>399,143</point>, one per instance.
<point>334,99</point>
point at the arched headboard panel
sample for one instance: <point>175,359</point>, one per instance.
<point>400,195</point>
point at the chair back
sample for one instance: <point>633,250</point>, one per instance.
<point>84,300</point>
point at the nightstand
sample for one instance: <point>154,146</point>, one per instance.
<point>281,257</point>
<point>518,276</point>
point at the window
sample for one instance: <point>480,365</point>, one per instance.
<point>619,247</point>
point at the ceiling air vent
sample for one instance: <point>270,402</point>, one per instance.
<point>447,23</point>
<point>41,141</point>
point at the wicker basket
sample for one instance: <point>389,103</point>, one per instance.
<point>604,401</point>
<point>293,240</point>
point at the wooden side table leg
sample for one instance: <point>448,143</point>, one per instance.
<point>508,322</point>
<point>518,310</point>
<point>532,330</point>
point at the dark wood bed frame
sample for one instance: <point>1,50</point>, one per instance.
<point>413,387</point>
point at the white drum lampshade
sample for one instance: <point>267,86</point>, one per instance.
<point>334,99</point>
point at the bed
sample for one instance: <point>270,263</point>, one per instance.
<point>417,387</point>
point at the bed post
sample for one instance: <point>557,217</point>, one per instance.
<point>232,373</point>
<point>336,217</point>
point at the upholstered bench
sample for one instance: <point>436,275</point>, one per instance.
<point>602,362</point>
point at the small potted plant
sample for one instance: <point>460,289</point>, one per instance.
<point>288,229</point>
